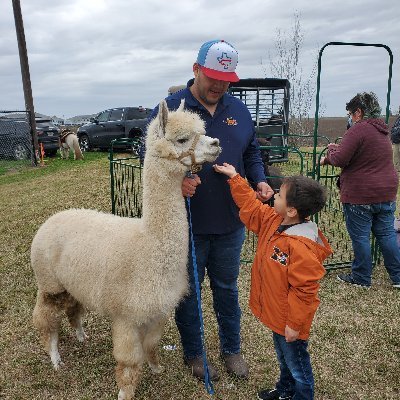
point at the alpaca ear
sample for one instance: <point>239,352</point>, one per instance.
<point>181,106</point>
<point>162,118</point>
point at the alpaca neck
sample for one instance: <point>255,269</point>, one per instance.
<point>162,196</point>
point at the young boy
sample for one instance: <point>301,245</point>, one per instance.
<point>286,272</point>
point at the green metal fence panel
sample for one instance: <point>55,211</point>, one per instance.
<point>322,173</point>
<point>126,198</point>
<point>126,184</point>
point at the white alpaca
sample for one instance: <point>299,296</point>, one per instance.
<point>130,270</point>
<point>69,141</point>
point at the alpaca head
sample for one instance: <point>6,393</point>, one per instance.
<point>180,135</point>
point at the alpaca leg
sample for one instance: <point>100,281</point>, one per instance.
<point>77,150</point>
<point>64,150</point>
<point>152,334</point>
<point>75,311</point>
<point>54,354</point>
<point>47,318</point>
<point>128,353</point>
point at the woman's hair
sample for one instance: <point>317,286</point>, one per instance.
<point>306,195</point>
<point>367,103</point>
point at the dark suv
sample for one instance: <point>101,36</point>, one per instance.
<point>47,134</point>
<point>115,123</point>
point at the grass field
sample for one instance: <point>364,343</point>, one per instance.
<point>354,345</point>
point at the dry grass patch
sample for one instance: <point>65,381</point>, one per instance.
<point>355,344</point>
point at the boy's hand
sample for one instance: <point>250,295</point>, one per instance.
<point>290,334</point>
<point>226,169</point>
<point>189,185</point>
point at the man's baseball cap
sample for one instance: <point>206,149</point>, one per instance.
<point>218,60</point>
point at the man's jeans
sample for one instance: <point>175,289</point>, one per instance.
<point>361,219</point>
<point>296,377</point>
<point>220,255</point>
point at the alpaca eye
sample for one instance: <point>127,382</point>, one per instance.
<point>181,141</point>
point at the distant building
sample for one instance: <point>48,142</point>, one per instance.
<point>79,120</point>
<point>57,121</point>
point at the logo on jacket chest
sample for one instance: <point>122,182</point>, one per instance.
<point>279,256</point>
<point>230,121</point>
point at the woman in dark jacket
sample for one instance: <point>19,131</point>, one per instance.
<point>368,189</point>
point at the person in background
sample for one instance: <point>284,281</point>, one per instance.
<point>368,189</point>
<point>395,136</point>
<point>286,272</point>
<point>217,230</point>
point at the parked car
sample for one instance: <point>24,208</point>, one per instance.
<point>15,140</point>
<point>115,123</point>
<point>47,134</point>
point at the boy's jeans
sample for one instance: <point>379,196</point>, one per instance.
<point>360,220</point>
<point>220,255</point>
<point>296,378</point>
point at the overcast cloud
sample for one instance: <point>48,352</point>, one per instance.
<point>89,55</point>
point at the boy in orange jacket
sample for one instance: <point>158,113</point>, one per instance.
<point>286,272</point>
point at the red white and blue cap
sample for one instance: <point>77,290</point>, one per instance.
<point>218,60</point>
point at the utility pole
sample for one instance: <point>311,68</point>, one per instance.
<point>26,79</point>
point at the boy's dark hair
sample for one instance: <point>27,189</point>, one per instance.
<point>367,102</point>
<point>306,195</point>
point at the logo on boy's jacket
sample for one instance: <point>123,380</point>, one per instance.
<point>230,121</point>
<point>280,256</point>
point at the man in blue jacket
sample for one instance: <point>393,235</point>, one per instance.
<point>217,230</point>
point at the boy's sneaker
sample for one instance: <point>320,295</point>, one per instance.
<point>349,279</point>
<point>272,394</point>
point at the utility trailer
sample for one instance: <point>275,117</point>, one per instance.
<point>268,102</point>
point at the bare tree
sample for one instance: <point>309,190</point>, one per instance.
<point>285,62</point>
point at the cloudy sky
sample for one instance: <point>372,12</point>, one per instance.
<point>89,55</point>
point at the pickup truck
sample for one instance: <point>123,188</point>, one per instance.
<point>114,123</point>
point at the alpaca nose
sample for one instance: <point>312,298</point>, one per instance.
<point>215,142</point>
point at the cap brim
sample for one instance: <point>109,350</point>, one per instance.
<point>219,75</point>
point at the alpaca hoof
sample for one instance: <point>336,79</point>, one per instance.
<point>58,364</point>
<point>156,369</point>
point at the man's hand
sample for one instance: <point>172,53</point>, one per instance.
<point>290,334</point>
<point>189,185</point>
<point>264,191</point>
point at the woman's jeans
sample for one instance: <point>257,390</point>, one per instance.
<point>296,377</point>
<point>361,219</point>
<point>220,255</point>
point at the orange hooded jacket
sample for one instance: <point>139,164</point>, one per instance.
<point>287,266</point>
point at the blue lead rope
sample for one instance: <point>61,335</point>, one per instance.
<point>207,382</point>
